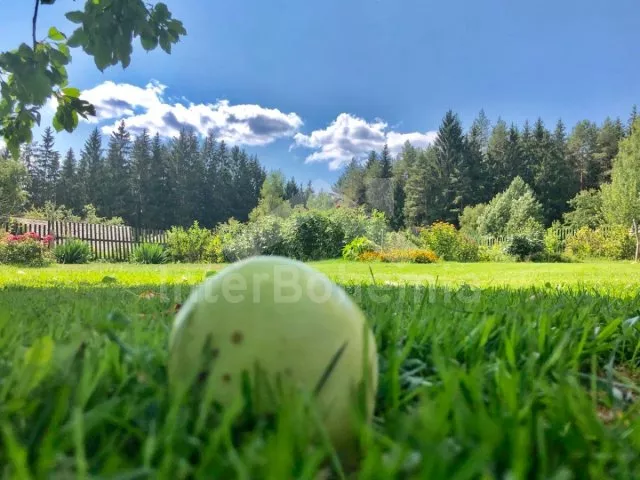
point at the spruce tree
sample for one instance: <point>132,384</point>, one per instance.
<point>607,143</point>
<point>454,188</point>
<point>160,214</point>
<point>498,169</point>
<point>350,186</point>
<point>141,184</point>
<point>421,188</point>
<point>46,170</point>
<point>67,189</point>
<point>117,200</point>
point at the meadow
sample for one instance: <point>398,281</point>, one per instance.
<point>487,371</point>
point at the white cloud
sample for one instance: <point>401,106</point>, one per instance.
<point>146,107</point>
<point>349,136</point>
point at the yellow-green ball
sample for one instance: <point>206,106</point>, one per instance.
<point>290,321</point>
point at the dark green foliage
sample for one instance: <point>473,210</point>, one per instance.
<point>73,252</point>
<point>150,254</point>
<point>315,237</point>
<point>524,246</point>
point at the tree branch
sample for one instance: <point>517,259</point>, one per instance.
<point>35,21</point>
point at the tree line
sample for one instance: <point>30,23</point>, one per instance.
<point>462,169</point>
<point>145,181</point>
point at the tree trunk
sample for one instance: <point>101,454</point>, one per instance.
<point>637,232</point>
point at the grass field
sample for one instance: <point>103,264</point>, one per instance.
<point>486,371</point>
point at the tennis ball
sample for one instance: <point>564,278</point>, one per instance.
<point>281,318</point>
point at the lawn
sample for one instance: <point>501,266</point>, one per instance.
<point>486,371</point>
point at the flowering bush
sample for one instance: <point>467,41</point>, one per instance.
<point>28,249</point>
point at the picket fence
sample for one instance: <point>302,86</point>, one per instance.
<point>108,242</point>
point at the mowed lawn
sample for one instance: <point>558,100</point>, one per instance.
<point>487,371</point>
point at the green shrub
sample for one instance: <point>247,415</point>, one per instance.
<point>448,243</point>
<point>263,236</point>
<point>552,242</point>
<point>149,254</point>
<point>29,250</point>
<point>617,243</point>
<point>495,253</point>
<point>213,252</point>
<point>400,241</point>
<point>73,252</point>
<point>188,246</point>
<point>524,247</point>
<point>357,247</point>
<point>313,236</point>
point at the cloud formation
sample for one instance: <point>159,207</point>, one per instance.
<point>349,136</point>
<point>145,108</point>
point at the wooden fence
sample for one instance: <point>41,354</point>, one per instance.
<point>109,242</point>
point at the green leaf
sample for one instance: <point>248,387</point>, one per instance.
<point>56,35</point>
<point>162,12</point>
<point>58,58</point>
<point>78,39</point>
<point>71,92</point>
<point>75,16</point>
<point>57,124</point>
<point>148,42</point>
<point>165,43</point>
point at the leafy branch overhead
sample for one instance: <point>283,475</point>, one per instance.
<point>106,30</point>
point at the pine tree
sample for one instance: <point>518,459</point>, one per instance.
<point>118,201</point>
<point>607,144</point>
<point>526,160</point>
<point>90,173</point>
<point>420,191</point>
<point>350,187</point>
<point>481,127</point>
<point>632,119</point>
<point>385,162</point>
<point>554,181</point>
<point>475,185</point>
<point>183,154</point>
<point>160,214</point>
<point>67,189</point>
<point>454,187</point>
<point>46,170</point>
<point>401,168</point>
<point>208,153</point>
<point>498,169</point>
<point>141,157</point>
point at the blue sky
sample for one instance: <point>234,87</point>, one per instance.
<point>305,84</point>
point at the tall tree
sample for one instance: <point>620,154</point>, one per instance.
<point>498,171</point>
<point>46,170</point>
<point>141,180</point>
<point>621,198</point>
<point>582,146</point>
<point>350,187</point>
<point>68,184</point>
<point>160,213</point>
<point>420,192</point>
<point>117,201</point>
<point>607,142</point>
<point>450,153</point>
<point>91,171</point>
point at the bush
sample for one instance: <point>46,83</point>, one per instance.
<point>73,252</point>
<point>263,236</point>
<point>552,241</point>
<point>397,256</point>
<point>214,251</point>
<point>355,222</point>
<point>313,236</point>
<point>613,243</point>
<point>524,247</point>
<point>150,254</point>
<point>400,241</point>
<point>357,247</point>
<point>495,253</point>
<point>29,250</point>
<point>188,245</point>
<point>448,243</point>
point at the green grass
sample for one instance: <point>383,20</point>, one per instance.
<point>486,371</point>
